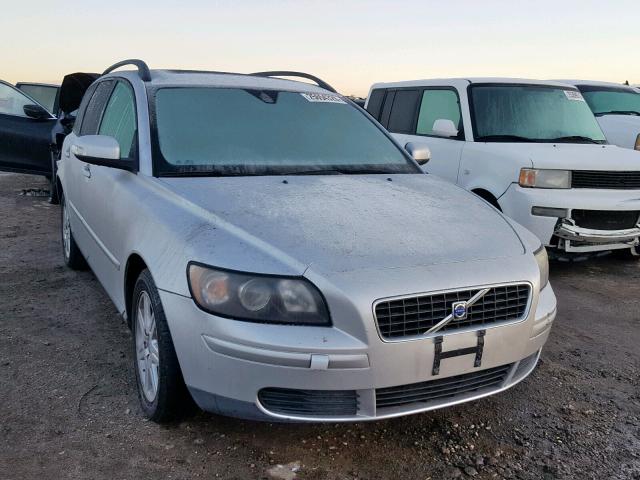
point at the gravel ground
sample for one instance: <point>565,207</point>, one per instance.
<point>69,408</point>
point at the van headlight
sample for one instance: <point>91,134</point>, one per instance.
<point>541,178</point>
<point>257,298</point>
<point>543,265</point>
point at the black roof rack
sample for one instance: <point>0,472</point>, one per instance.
<point>143,69</point>
<point>319,82</point>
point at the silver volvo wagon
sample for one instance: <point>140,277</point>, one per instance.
<point>279,256</point>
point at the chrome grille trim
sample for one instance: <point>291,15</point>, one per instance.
<point>412,317</point>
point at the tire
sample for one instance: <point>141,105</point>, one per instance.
<point>161,389</point>
<point>632,253</point>
<point>72,255</point>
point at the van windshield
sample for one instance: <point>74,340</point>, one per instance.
<point>532,113</point>
<point>233,131</point>
<point>611,100</point>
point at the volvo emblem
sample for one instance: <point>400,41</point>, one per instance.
<point>459,310</point>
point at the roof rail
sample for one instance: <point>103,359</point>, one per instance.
<point>143,69</point>
<point>319,82</point>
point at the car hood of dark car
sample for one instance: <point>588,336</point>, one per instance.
<point>340,223</point>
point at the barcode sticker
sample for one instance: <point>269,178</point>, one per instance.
<point>322,98</point>
<point>574,95</point>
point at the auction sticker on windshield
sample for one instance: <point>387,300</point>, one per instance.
<point>322,98</point>
<point>574,95</point>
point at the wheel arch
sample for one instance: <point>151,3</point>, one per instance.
<point>135,265</point>
<point>487,196</point>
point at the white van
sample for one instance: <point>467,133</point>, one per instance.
<point>617,109</point>
<point>533,149</point>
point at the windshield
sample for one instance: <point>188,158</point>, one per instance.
<point>532,113</point>
<point>611,100</point>
<point>229,131</point>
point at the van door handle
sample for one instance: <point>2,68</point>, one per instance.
<point>86,170</point>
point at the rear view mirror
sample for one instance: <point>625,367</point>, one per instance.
<point>444,128</point>
<point>100,150</point>
<point>36,112</point>
<point>419,151</point>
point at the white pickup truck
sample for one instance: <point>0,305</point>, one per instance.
<point>531,148</point>
<point>617,109</point>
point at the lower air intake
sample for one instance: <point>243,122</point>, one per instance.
<point>309,403</point>
<point>441,390</point>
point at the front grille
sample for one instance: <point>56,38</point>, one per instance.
<point>605,219</point>
<point>447,388</point>
<point>309,403</point>
<point>608,180</point>
<point>413,316</point>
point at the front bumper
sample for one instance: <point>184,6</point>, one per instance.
<point>227,364</point>
<point>563,233</point>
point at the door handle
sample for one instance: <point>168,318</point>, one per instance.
<point>86,170</point>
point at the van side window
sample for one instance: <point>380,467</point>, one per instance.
<point>438,104</point>
<point>403,112</point>
<point>119,120</point>
<point>374,106</point>
<point>386,108</point>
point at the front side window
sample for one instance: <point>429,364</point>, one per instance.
<point>611,100</point>
<point>233,131</point>
<point>45,95</point>
<point>95,107</point>
<point>119,119</point>
<point>12,102</point>
<point>438,104</point>
<point>532,113</point>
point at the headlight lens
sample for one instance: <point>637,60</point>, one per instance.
<point>543,265</point>
<point>257,298</point>
<point>538,178</point>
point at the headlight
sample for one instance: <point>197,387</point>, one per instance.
<point>537,178</point>
<point>637,145</point>
<point>257,298</point>
<point>543,265</point>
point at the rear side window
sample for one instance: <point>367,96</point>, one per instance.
<point>438,104</point>
<point>403,112</point>
<point>95,108</point>
<point>119,120</point>
<point>374,106</point>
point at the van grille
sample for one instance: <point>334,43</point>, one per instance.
<point>446,388</point>
<point>605,180</point>
<point>605,219</point>
<point>413,316</point>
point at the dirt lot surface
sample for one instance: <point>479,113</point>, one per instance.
<point>68,404</point>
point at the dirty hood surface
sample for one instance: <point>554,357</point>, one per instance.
<point>339,223</point>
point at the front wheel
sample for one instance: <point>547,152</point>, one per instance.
<point>161,388</point>
<point>72,254</point>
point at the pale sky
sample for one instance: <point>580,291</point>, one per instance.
<point>350,44</point>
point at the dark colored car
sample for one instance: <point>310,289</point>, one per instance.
<point>31,134</point>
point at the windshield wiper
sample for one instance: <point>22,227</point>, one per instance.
<point>576,139</point>
<point>619,112</point>
<point>505,138</point>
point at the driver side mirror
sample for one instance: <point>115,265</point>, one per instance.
<point>36,112</point>
<point>419,151</point>
<point>100,150</point>
<point>444,128</point>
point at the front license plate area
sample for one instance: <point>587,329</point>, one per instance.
<point>440,355</point>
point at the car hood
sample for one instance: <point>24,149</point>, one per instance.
<point>340,223</point>
<point>571,156</point>
<point>620,129</point>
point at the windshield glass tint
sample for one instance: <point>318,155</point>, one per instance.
<point>612,100</point>
<point>228,131</point>
<point>533,112</point>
